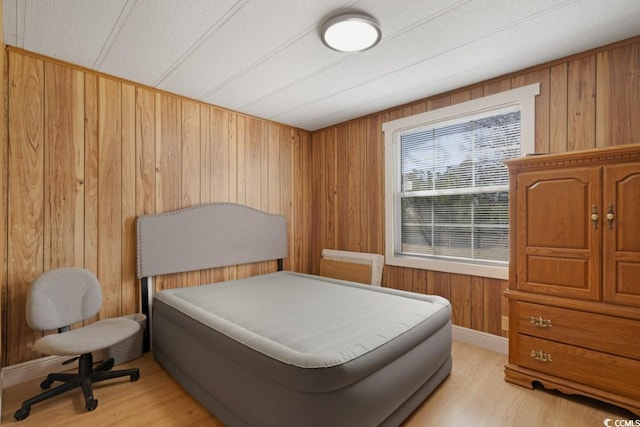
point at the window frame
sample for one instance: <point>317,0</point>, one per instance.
<point>524,97</point>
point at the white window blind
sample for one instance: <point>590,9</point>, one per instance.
<point>446,187</point>
<point>454,187</point>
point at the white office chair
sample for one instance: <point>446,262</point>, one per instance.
<point>56,300</point>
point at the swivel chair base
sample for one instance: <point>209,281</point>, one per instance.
<point>84,378</point>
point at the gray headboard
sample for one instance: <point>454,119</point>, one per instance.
<point>207,236</point>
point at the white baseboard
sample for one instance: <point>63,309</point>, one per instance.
<point>39,369</point>
<point>481,339</point>
<point>33,369</point>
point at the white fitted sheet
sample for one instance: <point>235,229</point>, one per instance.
<point>307,321</point>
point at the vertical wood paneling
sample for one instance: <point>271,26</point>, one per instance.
<point>129,290</point>
<point>87,154</point>
<point>419,281</point>
<point>301,197</point>
<point>232,167</point>
<point>168,153</point>
<point>190,164</point>
<point>205,156</point>
<point>190,154</point>
<point>618,95</point>
<point>342,195</point>
<point>168,167</point>
<point>91,173</point>
<point>558,108</point>
<point>496,87</point>
<point>477,92</point>
<point>110,195</point>
<point>221,156</point>
<point>477,303</point>
<point>590,102</point>
<point>461,300</point>
<point>581,107</point>
<point>318,204</point>
<point>294,167</point>
<point>355,187</point>
<point>4,170</point>
<point>253,172</point>
<point>241,176</point>
<point>145,151</point>
<point>252,163</point>
<point>440,102</point>
<point>25,197</point>
<point>64,167</point>
<point>494,308</point>
<point>330,216</point>
<point>462,96</point>
<point>374,161</point>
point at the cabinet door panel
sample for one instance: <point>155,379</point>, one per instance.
<point>621,242</point>
<point>558,246</point>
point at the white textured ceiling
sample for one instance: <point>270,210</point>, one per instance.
<point>265,57</point>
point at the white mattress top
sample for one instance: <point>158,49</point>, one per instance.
<point>304,320</point>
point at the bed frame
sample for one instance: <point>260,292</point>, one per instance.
<point>223,234</point>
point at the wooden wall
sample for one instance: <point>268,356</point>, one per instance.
<point>88,153</point>
<point>586,101</point>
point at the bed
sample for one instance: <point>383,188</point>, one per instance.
<point>284,348</point>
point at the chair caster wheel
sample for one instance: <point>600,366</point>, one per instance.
<point>91,404</point>
<point>45,384</point>
<point>21,414</point>
<point>135,377</point>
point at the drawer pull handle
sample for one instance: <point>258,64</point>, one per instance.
<point>541,356</point>
<point>541,322</point>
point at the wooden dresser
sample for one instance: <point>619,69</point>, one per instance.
<point>574,285</point>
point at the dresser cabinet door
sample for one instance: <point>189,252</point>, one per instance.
<point>558,244</point>
<point>621,234</point>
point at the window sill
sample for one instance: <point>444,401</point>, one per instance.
<point>450,266</point>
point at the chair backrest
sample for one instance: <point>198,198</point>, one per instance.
<point>62,297</point>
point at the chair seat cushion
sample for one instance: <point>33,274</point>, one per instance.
<point>95,336</point>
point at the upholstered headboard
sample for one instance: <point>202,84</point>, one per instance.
<point>204,236</point>
<point>207,236</point>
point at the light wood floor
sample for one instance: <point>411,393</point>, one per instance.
<point>475,394</point>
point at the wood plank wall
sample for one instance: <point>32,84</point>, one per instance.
<point>87,153</point>
<point>586,101</point>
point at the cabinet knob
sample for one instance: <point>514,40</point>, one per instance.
<point>541,356</point>
<point>610,216</point>
<point>594,216</point>
<point>541,322</point>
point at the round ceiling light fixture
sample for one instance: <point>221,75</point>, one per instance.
<point>350,32</point>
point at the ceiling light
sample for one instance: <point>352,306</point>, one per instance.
<point>350,32</point>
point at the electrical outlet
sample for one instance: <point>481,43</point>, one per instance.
<point>505,323</point>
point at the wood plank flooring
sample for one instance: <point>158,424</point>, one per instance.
<point>475,394</point>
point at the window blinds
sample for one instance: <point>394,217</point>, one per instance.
<point>453,186</point>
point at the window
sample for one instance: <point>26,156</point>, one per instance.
<point>447,204</point>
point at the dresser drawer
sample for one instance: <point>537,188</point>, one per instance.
<point>607,372</point>
<point>608,334</point>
